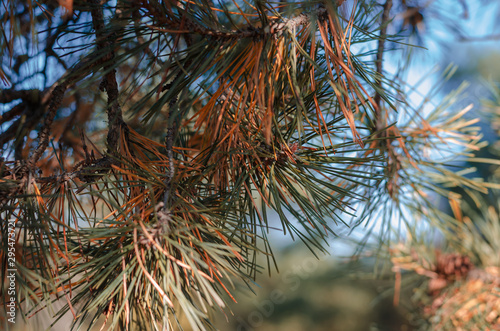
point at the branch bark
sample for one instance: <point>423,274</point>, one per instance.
<point>43,136</point>
<point>274,28</point>
<point>169,142</point>
<point>380,59</point>
<point>87,173</point>
<point>105,44</point>
<point>10,95</point>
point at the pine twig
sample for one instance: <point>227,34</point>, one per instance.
<point>55,100</point>
<point>7,96</point>
<point>43,136</point>
<point>87,173</point>
<point>380,58</point>
<point>103,41</point>
<point>273,29</point>
<point>10,114</point>
<point>169,141</point>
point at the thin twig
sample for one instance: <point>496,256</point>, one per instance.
<point>380,58</point>
<point>43,136</point>
<point>169,142</point>
<point>10,114</point>
<point>490,37</point>
<point>105,41</point>
<point>10,95</point>
<point>274,28</point>
<point>87,173</point>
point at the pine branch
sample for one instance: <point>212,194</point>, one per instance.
<point>379,62</point>
<point>274,28</point>
<point>44,134</point>
<point>105,42</point>
<point>10,95</point>
<point>10,114</point>
<point>87,172</point>
<point>169,142</point>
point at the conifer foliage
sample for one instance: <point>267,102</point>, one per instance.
<point>147,143</point>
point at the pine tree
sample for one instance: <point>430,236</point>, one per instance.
<point>146,144</point>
